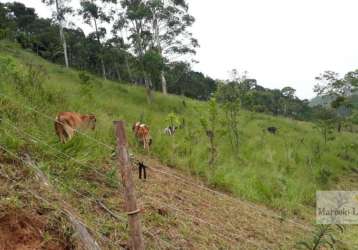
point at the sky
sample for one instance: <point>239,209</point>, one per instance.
<point>279,42</point>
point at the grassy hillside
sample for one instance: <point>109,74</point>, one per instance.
<point>280,170</point>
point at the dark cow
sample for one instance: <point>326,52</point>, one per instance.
<point>272,130</point>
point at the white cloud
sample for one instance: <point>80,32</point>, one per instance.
<point>279,42</point>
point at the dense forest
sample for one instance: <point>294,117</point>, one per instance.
<point>149,43</point>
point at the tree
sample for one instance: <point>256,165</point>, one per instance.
<point>288,92</point>
<point>92,13</point>
<point>135,17</point>
<point>61,11</point>
<point>332,85</point>
<point>340,89</point>
<point>229,96</point>
<point>22,15</point>
<point>153,63</point>
<point>352,78</point>
<point>7,26</point>
<point>170,21</point>
<point>77,48</point>
<point>324,120</point>
<point>210,125</point>
<point>115,52</point>
<point>119,42</point>
<point>288,95</point>
<point>237,76</point>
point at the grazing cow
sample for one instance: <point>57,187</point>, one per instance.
<point>141,131</point>
<point>67,123</point>
<point>272,130</point>
<point>170,130</point>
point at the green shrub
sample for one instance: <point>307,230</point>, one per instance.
<point>84,77</point>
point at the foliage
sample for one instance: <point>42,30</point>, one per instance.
<point>210,126</point>
<point>84,77</point>
<point>325,237</point>
<point>325,120</point>
<point>340,90</point>
<point>173,120</point>
<point>229,96</point>
<point>331,84</point>
<point>153,63</point>
<point>183,81</point>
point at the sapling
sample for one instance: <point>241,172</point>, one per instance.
<point>210,124</point>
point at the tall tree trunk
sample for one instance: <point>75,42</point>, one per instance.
<point>103,69</point>
<point>62,35</point>
<point>64,45</point>
<point>156,43</point>
<point>117,72</point>
<point>128,69</point>
<point>164,83</point>
<point>339,127</point>
<point>147,83</point>
<point>101,50</point>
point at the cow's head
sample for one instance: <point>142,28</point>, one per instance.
<point>135,126</point>
<point>92,120</point>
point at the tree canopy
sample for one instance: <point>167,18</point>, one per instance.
<point>143,42</point>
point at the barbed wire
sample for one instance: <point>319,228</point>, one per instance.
<point>219,194</point>
<point>51,204</point>
<point>112,213</point>
<point>192,218</point>
<point>75,160</point>
<point>53,148</point>
<point>96,200</point>
<point>54,120</point>
<point>92,198</point>
<point>56,180</point>
<point>177,177</point>
<point>200,198</point>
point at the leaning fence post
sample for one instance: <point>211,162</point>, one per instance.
<point>135,229</point>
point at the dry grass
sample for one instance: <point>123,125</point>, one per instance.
<point>176,214</point>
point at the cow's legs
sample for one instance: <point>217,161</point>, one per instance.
<point>69,131</point>
<point>146,144</point>
<point>60,131</point>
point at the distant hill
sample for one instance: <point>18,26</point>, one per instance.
<point>327,100</point>
<point>324,101</point>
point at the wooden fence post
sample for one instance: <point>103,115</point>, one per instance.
<point>135,229</point>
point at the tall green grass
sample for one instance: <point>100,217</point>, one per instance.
<point>282,170</point>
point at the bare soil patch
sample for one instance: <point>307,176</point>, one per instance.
<point>22,231</point>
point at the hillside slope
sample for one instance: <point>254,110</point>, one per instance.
<point>281,171</point>
<point>178,213</point>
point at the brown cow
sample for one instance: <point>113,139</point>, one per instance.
<point>141,131</point>
<point>67,123</point>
